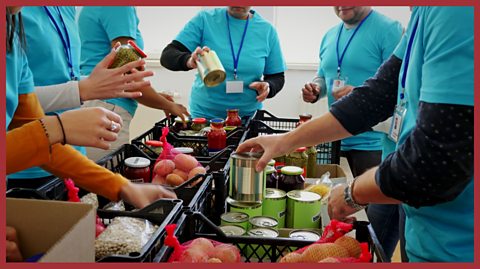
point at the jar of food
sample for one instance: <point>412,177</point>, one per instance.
<point>279,161</point>
<point>291,179</point>
<point>179,125</point>
<point>298,158</point>
<point>155,145</point>
<point>185,150</point>
<point>271,163</point>
<point>127,53</point>
<point>303,118</point>
<point>271,177</point>
<point>217,137</point>
<point>199,123</point>
<point>233,119</point>
<point>312,162</point>
<point>137,169</point>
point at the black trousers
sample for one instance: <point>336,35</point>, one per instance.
<point>362,160</point>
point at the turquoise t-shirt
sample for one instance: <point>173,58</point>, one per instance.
<point>19,80</point>
<point>372,44</point>
<point>440,71</point>
<point>261,54</point>
<point>98,27</point>
<point>47,56</point>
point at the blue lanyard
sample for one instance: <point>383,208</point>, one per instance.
<point>236,58</point>
<point>407,58</point>
<point>65,39</point>
<point>340,58</point>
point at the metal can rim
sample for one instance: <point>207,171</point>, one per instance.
<point>233,220</point>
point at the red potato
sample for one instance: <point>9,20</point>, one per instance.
<point>164,167</point>
<point>182,174</point>
<point>202,244</point>
<point>194,172</point>
<point>226,253</point>
<point>185,162</point>
<point>159,180</point>
<point>174,180</point>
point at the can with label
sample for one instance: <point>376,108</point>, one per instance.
<point>251,209</point>
<point>304,235</point>
<point>235,218</point>
<point>263,222</point>
<point>255,252</point>
<point>275,205</point>
<point>210,69</point>
<point>303,209</point>
<point>232,230</point>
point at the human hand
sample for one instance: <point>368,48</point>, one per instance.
<point>337,207</point>
<point>262,88</point>
<point>141,195</point>
<point>12,249</point>
<point>91,127</point>
<point>104,83</point>
<point>341,92</point>
<point>177,110</point>
<point>192,61</point>
<point>310,92</point>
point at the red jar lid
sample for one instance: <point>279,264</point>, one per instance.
<point>199,120</point>
<point>137,49</point>
<point>154,143</point>
<point>302,149</point>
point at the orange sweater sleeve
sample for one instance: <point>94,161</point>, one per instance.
<point>65,161</point>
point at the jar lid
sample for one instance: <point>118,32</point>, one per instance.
<point>269,170</point>
<point>229,128</point>
<point>271,162</point>
<point>304,196</point>
<point>199,120</point>
<point>217,121</point>
<point>232,110</point>
<point>302,149</point>
<point>137,49</point>
<point>305,115</point>
<point>137,162</point>
<point>292,170</point>
<point>154,143</point>
<point>185,150</point>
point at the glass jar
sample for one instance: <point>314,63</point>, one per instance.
<point>312,162</point>
<point>137,169</point>
<point>271,163</point>
<point>298,158</point>
<point>271,177</point>
<point>179,125</point>
<point>291,179</point>
<point>303,118</point>
<point>233,119</point>
<point>155,145</point>
<point>279,161</point>
<point>127,53</point>
<point>217,137</point>
<point>199,123</point>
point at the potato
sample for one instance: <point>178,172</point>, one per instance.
<point>351,245</point>
<point>164,167</point>
<point>183,175</point>
<point>318,252</point>
<point>226,253</point>
<point>174,180</point>
<point>185,162</point>
<point>194,172</point>
<point>203,244</point>
<point>292,257</point>
<point>159,180</point>
<point>193,256</point>
<point>214,260</point>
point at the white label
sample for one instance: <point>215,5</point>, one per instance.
<point>234,86</point>
<point>337,84</point>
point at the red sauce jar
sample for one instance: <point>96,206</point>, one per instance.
<point>198,124</point>
<point>233,119</point>
<point>217,137</point>
<point>137,169</point>
<point>303,118</point>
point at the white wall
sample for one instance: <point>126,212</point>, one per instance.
<point>300,31</point>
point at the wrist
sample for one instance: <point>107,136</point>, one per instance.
<point>83,86</point>
<point>52,129</point>
<point>349,196</point>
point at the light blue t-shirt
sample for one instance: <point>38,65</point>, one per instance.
<point>440,71</point>
<point>19,80</point>
<point>47,57</point>
<point>372,44</point>
<point>261,54</point>
<point>98,27</point>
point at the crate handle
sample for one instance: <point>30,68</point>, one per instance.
<point>186,183</point>
<point>199,216</point>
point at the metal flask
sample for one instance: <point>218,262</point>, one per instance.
<point>246,184</point>
<point>210,69</point>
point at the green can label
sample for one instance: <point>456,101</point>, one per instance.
<point>303,209</point>
<point>252,210</point>
<point>275,205</point>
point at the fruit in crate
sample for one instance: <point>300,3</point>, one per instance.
<point>202,250</point>
<point>164,167</point>
<point>174,180</point>
<point>175,172</point>
<point>351,245</point>
<point>185,162</point>
<point>226,253</point>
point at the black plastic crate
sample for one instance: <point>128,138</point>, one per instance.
<point>257,249</point>
<point>161,213</point>
<point>264,123</point>
<point>46,188</point>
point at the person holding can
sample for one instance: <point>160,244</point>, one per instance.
<point>431,171</point>
<point>248,48</point>
<point>100,29</point>
<point>350,53</point>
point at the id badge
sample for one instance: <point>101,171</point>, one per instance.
<point>338,83</point>
<point>234,86</point>
<point>397,122</point>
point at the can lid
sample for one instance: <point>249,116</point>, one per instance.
<point>304,196</point>
<point>137,49</point>
<point>199,120</point>
<point>137,162</point>
<point>304,235</point>
<point>185,150</point>
<point>302,149</point>
<point>234,217</point>
<point>262,221</point>
<point>271,193</point>
<point>263,232</point>
<point>271,162</point>
<point>234,230</point>
<point>269,170</point>
<point>179,120</point>
<point>292,170</point>
<point>154,143</point>
<point>237,204</point>
<point>248,156</point>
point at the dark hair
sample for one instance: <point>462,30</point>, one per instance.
<point>14,26</point>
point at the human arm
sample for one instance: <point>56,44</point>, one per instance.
<point>312,91</point>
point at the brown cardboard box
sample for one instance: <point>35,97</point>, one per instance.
<point>337,175</point>
<point>63,231</point>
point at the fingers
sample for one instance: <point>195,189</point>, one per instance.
<point>112,116</point>
<point>12,252</point>
<point>108,60</point>
<point>164,193</point>
<point>129,66</point>
<point>11,234</point>
<point>247,145</point>
<point>206,49</point>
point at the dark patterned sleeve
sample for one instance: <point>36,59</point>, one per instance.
<point>371,103</point>
<point>275,82</point>
<point>436,161</point>
<point>175,56</point>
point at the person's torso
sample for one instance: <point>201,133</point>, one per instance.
<point>253,61</point>
<point>98,27</point>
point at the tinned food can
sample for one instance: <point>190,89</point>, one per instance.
<point>251,209</point>
<point>303,209</point>
<point>232,230</point>
<point>210,69</point>
<point>275,205</point>
<point>235,218</point>
<point>263,222</point>
<point>304,235</point>
<point>260,251</point>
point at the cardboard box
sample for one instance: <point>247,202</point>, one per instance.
<point>63,231</point>
<point>337,175</point>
